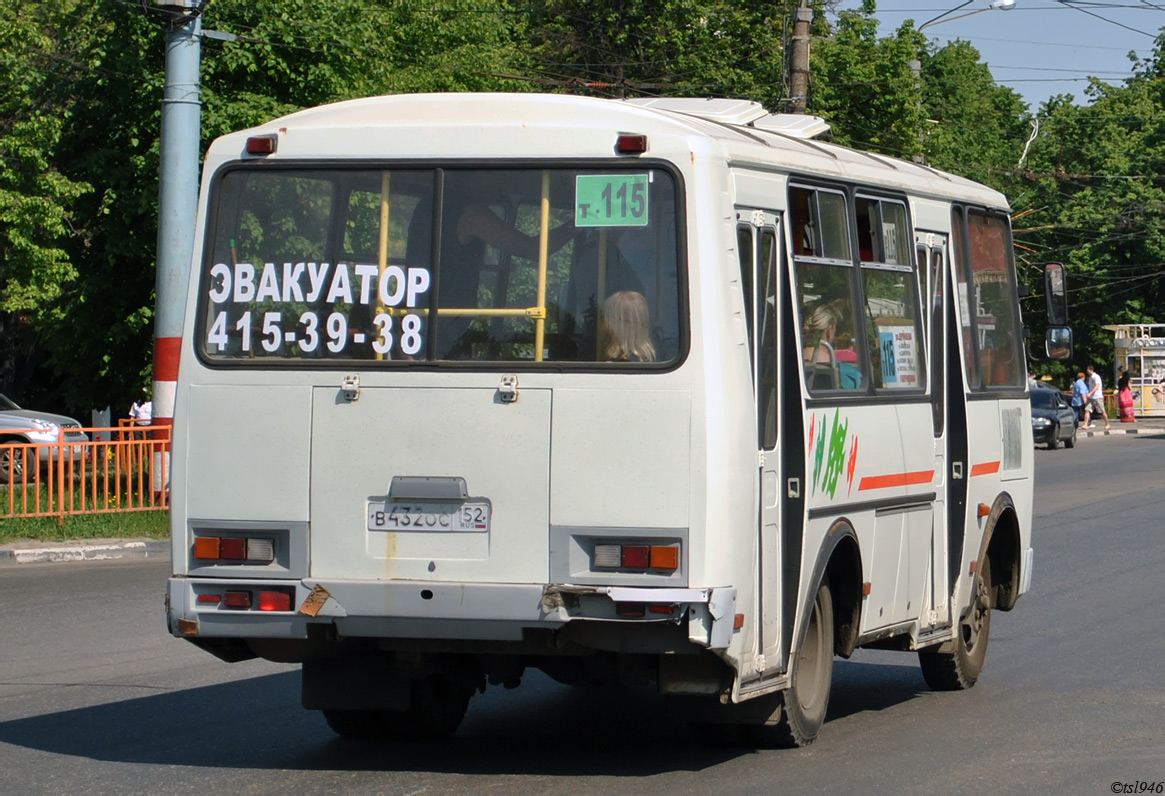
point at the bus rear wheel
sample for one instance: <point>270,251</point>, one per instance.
<point>806,700</point>
<point>435,712</point>
<point>959,669</point>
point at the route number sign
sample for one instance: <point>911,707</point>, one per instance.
<point>610,200</point>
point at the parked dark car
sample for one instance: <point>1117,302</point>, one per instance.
<point>1053,419</point>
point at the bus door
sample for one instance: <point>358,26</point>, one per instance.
<point>757,243</point>
<point>932,250</point>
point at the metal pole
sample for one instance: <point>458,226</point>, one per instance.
<point>177,204</point>
<point>799,71</point>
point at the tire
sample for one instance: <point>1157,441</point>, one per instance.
<point>960,669</point>
<point>1071,441</point>
<point>435,712</point>
<point>359,723</point>
<point>806,700</point>
<point>12,462</point>
<point>437,709</point>
<point>1054,440</point>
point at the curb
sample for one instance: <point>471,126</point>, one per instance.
<point>87,550</point>
<point>1100,432</point>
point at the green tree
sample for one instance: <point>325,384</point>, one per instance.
<point>674,47</point>
<point>1095,200</point>
<point>863,85</point>
<point>951,114</point>
<point>108,85</point>
<point>37,200</point>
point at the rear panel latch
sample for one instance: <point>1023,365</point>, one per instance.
<point>350,388</point>
<point>508,389</point>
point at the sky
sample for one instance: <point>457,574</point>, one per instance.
<point>1040,48</point>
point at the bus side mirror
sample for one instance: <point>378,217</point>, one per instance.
<point>1058,338</point>
<point>1056,294</point>
<point>1058,343</point>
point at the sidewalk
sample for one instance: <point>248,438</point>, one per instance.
<point>32,552</point>
<point>1144,425</point>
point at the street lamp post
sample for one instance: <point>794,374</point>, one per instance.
<point>916,64</point>
<point>1002,5</point>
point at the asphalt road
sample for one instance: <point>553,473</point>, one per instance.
<point>96,697</point>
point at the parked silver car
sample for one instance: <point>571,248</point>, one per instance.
<point>29,425</point>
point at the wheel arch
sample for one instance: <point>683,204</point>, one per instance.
<point>1001,544</point>
<point>839,559</point>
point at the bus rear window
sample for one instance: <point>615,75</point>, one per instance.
<point>478,265</point>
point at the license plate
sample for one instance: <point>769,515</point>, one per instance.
<point>415,516</point>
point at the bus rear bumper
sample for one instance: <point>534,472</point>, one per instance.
<point>199,607</point>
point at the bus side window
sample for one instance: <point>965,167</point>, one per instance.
<point>1000,349</point>
<point>890,286</point>
<point>820,230</point>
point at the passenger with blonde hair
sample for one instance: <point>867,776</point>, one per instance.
<point>820,329</point>
<point>626,328</point>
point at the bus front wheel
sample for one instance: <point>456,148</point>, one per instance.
<point>807,698</point>
<point>960,668</point>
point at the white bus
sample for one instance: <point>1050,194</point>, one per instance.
<point>660,392</point>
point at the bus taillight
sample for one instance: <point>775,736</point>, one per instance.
<point>234,550</point>
<point>637,557</point>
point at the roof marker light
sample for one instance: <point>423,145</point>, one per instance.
<point>262,144</point>
<point>627,144</point>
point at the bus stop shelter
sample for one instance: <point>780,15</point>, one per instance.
<point>1140,349</point>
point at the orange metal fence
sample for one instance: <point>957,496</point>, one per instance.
<point>115,470</point>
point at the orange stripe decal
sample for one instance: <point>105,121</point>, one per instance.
<point>896,479</point>
<point>986,468</point>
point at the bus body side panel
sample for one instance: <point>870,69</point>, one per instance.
<point>858,470</point>
<point>1001,462</point>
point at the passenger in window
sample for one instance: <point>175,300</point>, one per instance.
<point>582,302</point>
<point>827,369</point>
<point>625,330</point>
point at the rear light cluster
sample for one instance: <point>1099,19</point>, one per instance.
<point>246,600</point>
<point>234,550</point>
<point>637,557</point>
<point>642,609</point>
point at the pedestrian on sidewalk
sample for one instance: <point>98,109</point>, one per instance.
<point>1079,396</point>
<point>1124,398</point>
<point>1095,402</point>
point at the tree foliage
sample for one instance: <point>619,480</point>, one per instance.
<point>37,199</point>
<point>674,47</point>
<point>1094,198</point>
